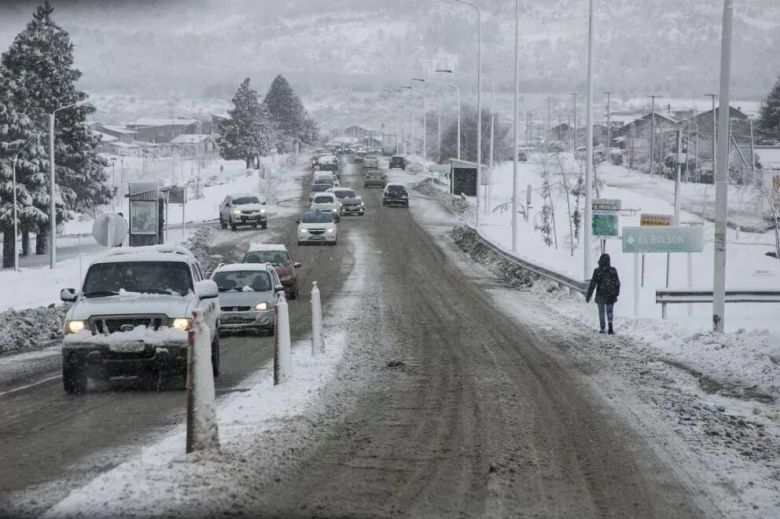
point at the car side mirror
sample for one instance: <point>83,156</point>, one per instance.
<point>278,288</point>
<point>206,289</point>
<point>297,221</point>
<point>68,295</point>
<point>296,265</point>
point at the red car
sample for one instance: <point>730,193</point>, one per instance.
<point>277,255</point>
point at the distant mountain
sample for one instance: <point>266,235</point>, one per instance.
<point>180,48</point>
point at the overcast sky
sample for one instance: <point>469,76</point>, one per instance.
<point>203,48</point>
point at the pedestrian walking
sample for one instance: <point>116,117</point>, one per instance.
<point>606,283</point>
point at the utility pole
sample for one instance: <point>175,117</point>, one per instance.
<point>549,117</point>
<point>587,224</point>
<point>609,126</point>
<point>722,176</point>
<point>652,134</point>
<point>714,133</point>
<point>515,142</point>
<point>574,125</point>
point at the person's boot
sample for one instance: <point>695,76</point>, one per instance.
<point>611,331</point>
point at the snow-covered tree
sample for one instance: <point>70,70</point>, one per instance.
<point>40,62</point>
<point>770,110</point>
<point>286,109</point>
<point>20,147</point>
<point>249,132</point>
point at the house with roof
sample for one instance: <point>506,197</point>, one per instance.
<point>120,133</point>
<point>195,145</point>
<point>154,130</point>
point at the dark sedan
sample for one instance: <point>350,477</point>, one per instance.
<point>395,194</point>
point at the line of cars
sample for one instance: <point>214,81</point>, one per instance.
<point>133,312</point>
<point>132,315</point>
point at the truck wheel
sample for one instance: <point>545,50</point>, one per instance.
<point>215,355</point>
<point>254,226</point>
<point>265,225</point>
<point>222,224</point>
<point>233,226</point>
<point>73,379</point>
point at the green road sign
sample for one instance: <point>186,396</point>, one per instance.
<point>605,225</point>
<point>663,239</point>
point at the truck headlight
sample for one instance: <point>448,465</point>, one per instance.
<point>261,306</point>
<point>302,231</point>
<point>236,211</point>
<point>74,326</point>
<point>330,231</point>
<point>262,210</point>
<point>181,323</point>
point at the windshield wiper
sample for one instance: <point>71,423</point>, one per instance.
<point>101,293</point>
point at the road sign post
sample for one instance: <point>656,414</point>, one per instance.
<point>604,222</point>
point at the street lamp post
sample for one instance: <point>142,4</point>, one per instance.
<point>113,184</point>
<point>722,175</point>
<point>457,89</point>
<point>589,152</point>
<point>479,99</point>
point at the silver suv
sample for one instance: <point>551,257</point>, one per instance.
<point>132,315</point>
<point>246,209</point>
<point>247,296</point>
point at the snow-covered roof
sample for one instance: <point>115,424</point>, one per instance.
<point>150,121</point>
<point>127,145</point>
<point>241,267</point>
<point>190,139</point>
<point>117,129</point>
<point>245,195</point>
<point>269,247</point>
<point>104,137</point>
<point>147,253</point>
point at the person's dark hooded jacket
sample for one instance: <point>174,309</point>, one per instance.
<point>605,282</point>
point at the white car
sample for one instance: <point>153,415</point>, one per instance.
<point>317,227</point>
<point>327,202</point>
<point>132,315</point>
<point>247,296</point>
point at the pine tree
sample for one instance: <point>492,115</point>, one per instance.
<point>770,110</point>
<point>249,132</point>
<point>20,146</point>
<point>286,109</point>
<point>40,60</point>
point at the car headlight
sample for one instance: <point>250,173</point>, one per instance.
<point>302,231</point>
<point>262,210</point>
<point>236,211</point>
<point>335,210</point>
<point>74,326</point>
<point>331,231</point>
<point>181,323</point>
<point>261,306</point>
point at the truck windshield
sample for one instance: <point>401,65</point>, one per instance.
<point>146,277</point>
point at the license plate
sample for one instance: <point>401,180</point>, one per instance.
<point>128,347</point>
<point>232,318</point>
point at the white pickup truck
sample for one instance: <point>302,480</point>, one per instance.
<point>133,314</point>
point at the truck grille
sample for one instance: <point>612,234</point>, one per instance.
<point>106,324</point>
<point>236,308</point>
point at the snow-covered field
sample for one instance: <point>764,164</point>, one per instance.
<point>747,265</point>
<point>40,286</point>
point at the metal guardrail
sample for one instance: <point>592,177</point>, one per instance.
<point>572,284</point>
<point>675,296</point>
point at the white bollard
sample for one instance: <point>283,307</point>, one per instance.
<point>317,344</point>
<point>202,428</point>
<point>282,346</point>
